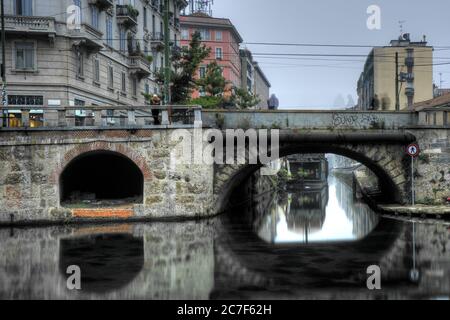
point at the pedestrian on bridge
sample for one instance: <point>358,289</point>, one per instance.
<point>156,101</point>
<point>273,102</point>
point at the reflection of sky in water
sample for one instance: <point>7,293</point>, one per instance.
<point>343,219</point>
<point>337,226</point>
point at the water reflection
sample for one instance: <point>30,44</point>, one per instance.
<point>108,261</point>
<point>234,257</point>
<point>316,213</point>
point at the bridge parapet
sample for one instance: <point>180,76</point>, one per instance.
<point>306,119</point>
<point>99,117</point>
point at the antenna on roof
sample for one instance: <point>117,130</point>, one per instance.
<point>401,23</point>
<point>201,7</point>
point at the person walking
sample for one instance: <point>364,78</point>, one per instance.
<point>156,101</point>
<point>273,102</point>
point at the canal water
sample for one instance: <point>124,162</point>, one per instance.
<point>305,242</point>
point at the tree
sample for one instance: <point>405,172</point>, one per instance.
<point>185,63</point>
<point>245,99</point>
<point>213,82</point>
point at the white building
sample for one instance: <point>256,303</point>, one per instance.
<point>54,58</point>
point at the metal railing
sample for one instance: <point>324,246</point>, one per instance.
<point>100,117</point>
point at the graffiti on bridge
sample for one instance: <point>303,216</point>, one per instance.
<point>355,120</point>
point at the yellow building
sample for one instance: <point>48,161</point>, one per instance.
<point>377,85</point>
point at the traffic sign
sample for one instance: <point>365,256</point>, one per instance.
<point>413,150</point>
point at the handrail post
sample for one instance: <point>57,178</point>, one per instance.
<point>198,123</point>
<point>165,117</point>
<point>62,122</point>
<point>131,117</point>
<point>25,118</point>
<point>98,118</point>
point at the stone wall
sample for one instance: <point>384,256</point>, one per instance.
<point>31,164</point>
<point>433,166</point>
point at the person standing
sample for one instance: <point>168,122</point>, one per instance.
<point>273,102</point>
<point>156,101</point>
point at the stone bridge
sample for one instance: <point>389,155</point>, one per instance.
<point>45,170</point>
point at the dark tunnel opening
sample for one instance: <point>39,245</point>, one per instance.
<point>101,176</point>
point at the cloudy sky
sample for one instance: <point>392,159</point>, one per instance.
<point>318,82</point>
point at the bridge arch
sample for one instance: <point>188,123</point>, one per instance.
<point>101,175</point>
<point>386,161</point>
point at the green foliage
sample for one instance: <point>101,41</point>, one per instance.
<point>283,175</point>
<point>149,59</point>
<point>207,102</point>
<point>132,11</point>
<point>213,82</point>
<point>147,96</point>
<point>185,64</point>
<point>245,99</point>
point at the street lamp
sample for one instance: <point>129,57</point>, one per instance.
<point>3,68</point>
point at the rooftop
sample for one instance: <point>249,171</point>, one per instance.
<point>439,102</point>
<point>203,20</point>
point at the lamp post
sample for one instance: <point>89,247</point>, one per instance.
<point>3,68</point>
<point>167,98</point>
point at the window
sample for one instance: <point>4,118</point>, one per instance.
<point>205,34</point>
<point>110,77</point>
<point>202,72</point>
<point>145,17</point>
<point>78,4</point>
<point>23,7</point>
<point>25,55</point>
<point>79,63</point>
<point>134,86</point>
<point>219,54</point>
<point>94,13</point>
<point>96,70</point>
<point>109,31</point>
<point>185,34</point>
<point>123,39</point>
<point>218,35</point>
<point>124,83</point>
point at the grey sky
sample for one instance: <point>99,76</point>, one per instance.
<point>317,83</point>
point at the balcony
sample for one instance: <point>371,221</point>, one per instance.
<point>139,66</point>
<point>102,4</point>
<point>127,15</point>
<point>409,62</point>
<point>87,38</point>
<point>409,91</point>
<point>156,39</point>
<point>31,25</point>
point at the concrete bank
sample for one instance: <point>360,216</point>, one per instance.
<point>366,185</point>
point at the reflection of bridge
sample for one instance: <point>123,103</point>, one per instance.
<point>211,259</point>
<point>34,160</point>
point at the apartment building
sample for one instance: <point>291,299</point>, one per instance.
<point>377,84</point>
<point>253,79</point>
<point>105,55</point>
<point>222,37</point>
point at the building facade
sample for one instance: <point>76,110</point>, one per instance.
<point>85,52</point>
<point>253,79</point>
<point>262,87</point>
<point>222,37</point>
<point>377,84</point>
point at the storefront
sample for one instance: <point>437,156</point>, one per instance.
<point>14,116</point>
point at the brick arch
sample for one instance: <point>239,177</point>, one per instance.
<point>121,149</point>
<point>384,160</point>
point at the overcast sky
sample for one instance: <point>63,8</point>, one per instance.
<point>302,82</point>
